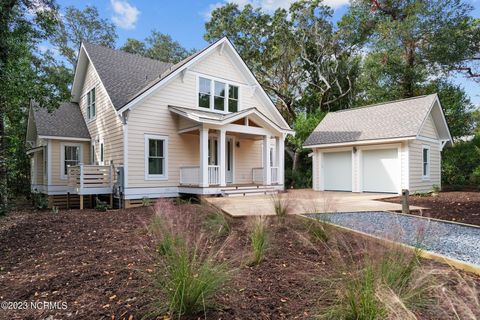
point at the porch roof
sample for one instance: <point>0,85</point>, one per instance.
<point>216,118</point>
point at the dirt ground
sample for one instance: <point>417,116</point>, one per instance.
<point>453,206</point>
<point>100,264</point>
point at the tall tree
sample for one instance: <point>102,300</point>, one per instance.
<point>83,25</point>
<point>409,41</point>
<point>159,46</point>
<point>297,57</point>
<point>24,76</point>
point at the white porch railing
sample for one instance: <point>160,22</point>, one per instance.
<point>257,175</point>
<point>90,179</point>
<point>213,174</point>
<point>191,175</point>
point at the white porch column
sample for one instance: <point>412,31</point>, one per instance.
<point>221,156</point>
<point>203,172</point>
<point>267,172</point>
<point>280,161</point>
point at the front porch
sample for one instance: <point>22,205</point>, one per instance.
<point>243,150</point>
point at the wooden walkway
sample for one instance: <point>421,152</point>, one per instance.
<point>305,201</point>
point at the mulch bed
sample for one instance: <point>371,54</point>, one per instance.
<point>453,206</point>
<point>100,264</point>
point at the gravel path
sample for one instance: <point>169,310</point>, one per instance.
<point>452,240</point>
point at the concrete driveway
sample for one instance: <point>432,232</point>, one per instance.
<point>305,201</point>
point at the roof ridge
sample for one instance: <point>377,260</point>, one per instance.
<point>384,103</point>
<point>126,53</point>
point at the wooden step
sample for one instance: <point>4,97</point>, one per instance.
<point>249,192</point>
<point>256,187</point>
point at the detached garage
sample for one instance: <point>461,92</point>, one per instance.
<point>380,148</point>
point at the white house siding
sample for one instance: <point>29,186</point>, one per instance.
<point>221,66</point>
<point>429,129</point>
<point>107,124</point>
<point>247,157</point>
<point>56,155</point>
<point>417,183</point>
<point>151,116</point>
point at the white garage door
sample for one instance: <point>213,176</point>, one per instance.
<point>337,170</point>
<point>381,170</point>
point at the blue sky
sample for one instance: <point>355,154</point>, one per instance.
<point>185,20</point>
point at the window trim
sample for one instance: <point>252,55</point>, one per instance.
<point>63,176</point>
<point>427,175</point>
<point>212,93</point>
<point>146,155</point>
<point>88,110</point>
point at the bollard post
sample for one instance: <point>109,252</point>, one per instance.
<point>405,205</point>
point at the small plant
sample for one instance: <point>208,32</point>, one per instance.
<point>55,209</point>
<point>317,230</point>
<point>258,239</point>
<point>101,205</point>
<point>281,206</point>
<point>146,202</point>
<point>217,223</point>
<point>435,189</point>
<point>40,201</point>
<point>383,286</point>
<point>189,279</point>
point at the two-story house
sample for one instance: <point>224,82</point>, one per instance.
<point>141,128</point>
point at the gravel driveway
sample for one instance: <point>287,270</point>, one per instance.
<point>452,240</point>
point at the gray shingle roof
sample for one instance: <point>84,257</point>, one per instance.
<point>124,74</point>
<point>66,121</point>
<point>395,119</point>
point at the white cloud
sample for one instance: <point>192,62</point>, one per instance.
<point>126,15</point>
<point>268,5</point>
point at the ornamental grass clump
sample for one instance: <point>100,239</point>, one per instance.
<point>258,239</point>
<point>190,270</point>
<point>386,285</point>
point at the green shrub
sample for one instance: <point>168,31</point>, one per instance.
<point>101,205</point>
<point>258,239</point>
<point>217,223</point>
<point>460,163</point>
<point>146,202</point>
<point>189,279</point>
<point>40,200</point>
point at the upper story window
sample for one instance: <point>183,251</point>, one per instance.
<point>91,106</point>
<point>217,95</point>
<point>426,162</point>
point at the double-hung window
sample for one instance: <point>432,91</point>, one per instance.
<point>425,162</point>
<point>217,95</point>
<point>71,155</point>
<point>204,93</point>
<point>156,150</point>
<point>91,106</point>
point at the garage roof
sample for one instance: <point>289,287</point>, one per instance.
<point>396,119</point>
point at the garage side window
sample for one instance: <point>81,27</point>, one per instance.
<point>426,162</point>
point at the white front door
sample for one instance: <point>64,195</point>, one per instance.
<point>229,160</point>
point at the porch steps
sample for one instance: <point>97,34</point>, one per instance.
<point>242,191</point>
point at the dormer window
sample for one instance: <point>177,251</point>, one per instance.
<point>217,95</point>
<point>91,107</point>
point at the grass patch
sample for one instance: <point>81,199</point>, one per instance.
<point>217,223</point>
<point>389,286</point>
<point>281,206</point>
<point>189,279</point>
<point>258,239</point>
<point>317,230</point>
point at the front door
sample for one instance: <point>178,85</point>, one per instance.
<point>229,160</point>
